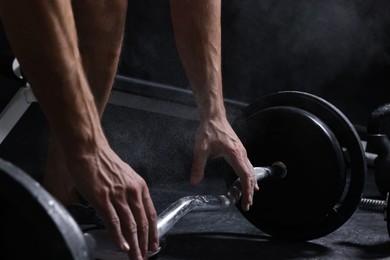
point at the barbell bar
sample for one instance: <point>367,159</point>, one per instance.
<point>104,248</point>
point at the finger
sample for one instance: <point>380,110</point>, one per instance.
<point>240,167</point>
<point>250,166</point>
<point>128,227</point>
<point>141,220</point>
<point>112,223</point>
<point>198,165</point>
<point>152,219</point>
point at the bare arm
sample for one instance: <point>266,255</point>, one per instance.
<point>44,43</point>
<point>43,36</point>
<point>198,37</point>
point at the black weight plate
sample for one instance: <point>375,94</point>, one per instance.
<point>335,123</point>
<point>303,143</point>
<point>33,224</point>
<point>387,212</point>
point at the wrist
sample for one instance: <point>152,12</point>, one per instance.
<point>81,137</point>
<point>213,109</point>
<point>210,103</point>
<point>212,115</point>
<point>83,142</point>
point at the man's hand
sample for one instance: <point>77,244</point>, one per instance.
<point>121,198</point>
<point>216,138</point>
<point>197,28</point>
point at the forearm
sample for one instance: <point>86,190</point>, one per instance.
<point>44,39</point>
<point>197,32</point>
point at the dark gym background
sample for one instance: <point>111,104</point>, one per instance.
<point>335,49</point>
<point>338,50</point>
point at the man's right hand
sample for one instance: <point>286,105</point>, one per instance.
<point>121,198</point>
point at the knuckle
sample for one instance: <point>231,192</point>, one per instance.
<point>138,186</point>
<point>113,223</point>
<point>249,174</point>
<point>142,184</point>
<point>143,226</point>
<point>152,217</point>
<point>133,228</point>
<point>201,146</point>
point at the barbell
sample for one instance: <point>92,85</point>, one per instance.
<point>320,148</point>
<point>325,162</point>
